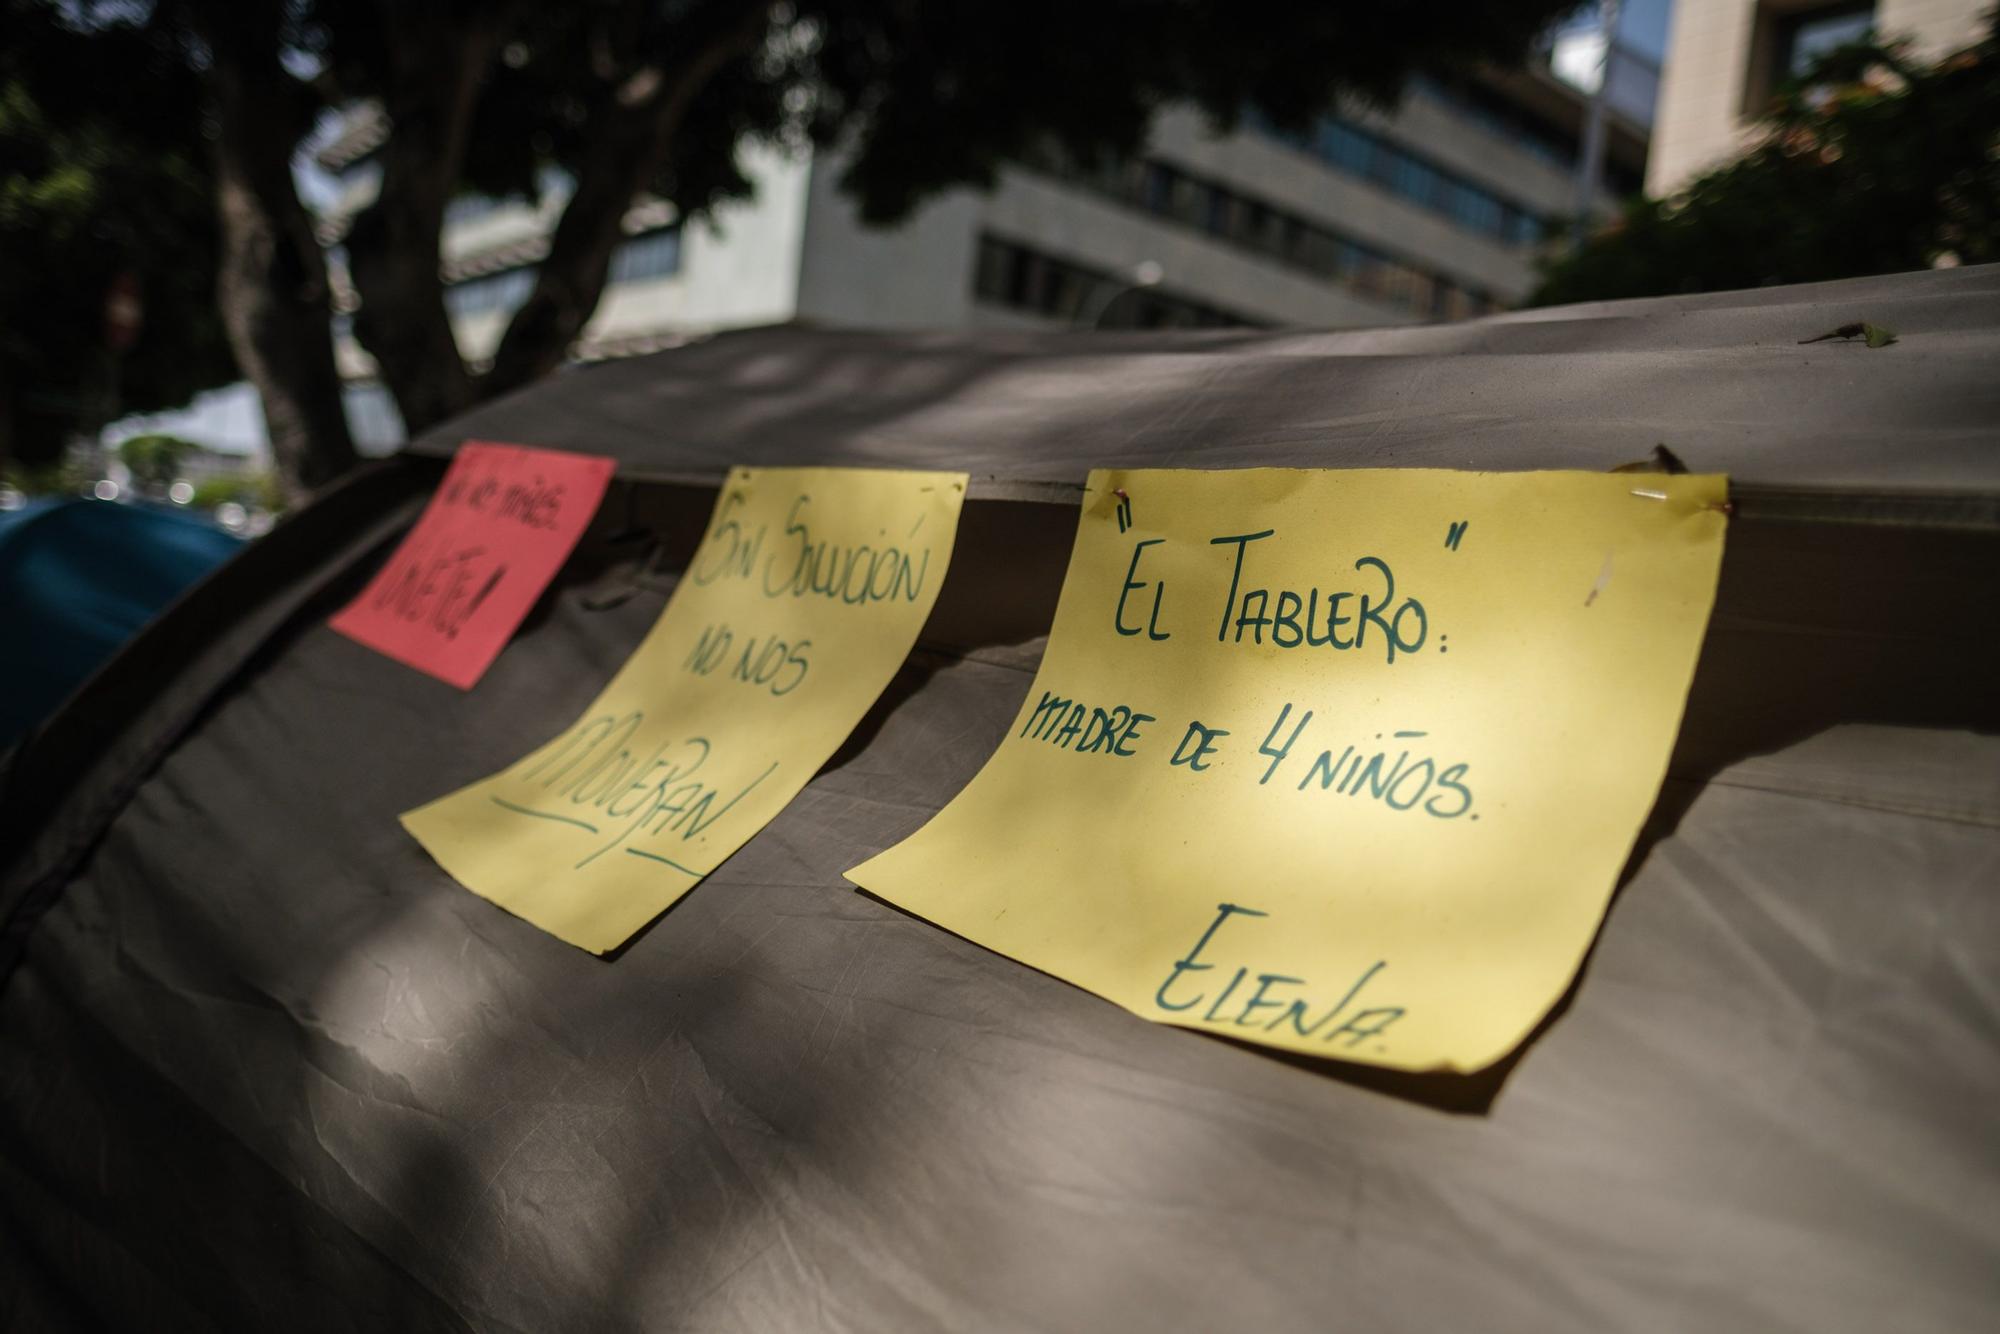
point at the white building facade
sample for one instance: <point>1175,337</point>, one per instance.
<point>1725,57</point>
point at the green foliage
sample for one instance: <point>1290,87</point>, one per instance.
<point>155,460</point>
<point>214,491</point>
<point>259,490</point>
<point>1874,335</point>
<point>927,96</point>
<point>65,477</point>
<point>1870,164</point>
<point>103,172</point>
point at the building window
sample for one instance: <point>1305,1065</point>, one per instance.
<point>1345,147</point>
<point>1221,212</point>
<point>1478,211</point>
<point>1271,231</point>
<point>372,417</point>
<point>1525,229</point>
<point>1417,181</point>
<point>653,254</point>
<point>1789,38</point>
<point>469,208</point>
<point>362,174</point>
<point>1361,152</point>
<point>1017,277</point>
<point>1503,121</point>
<point>1321,252</point>
<point>1265,229</point>
<point>1804,38</point>
<point>496,291</point>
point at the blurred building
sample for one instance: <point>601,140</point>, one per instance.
<point>1433,210</point>
<point>1725,57</point>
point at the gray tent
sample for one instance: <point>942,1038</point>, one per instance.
<point>263,1064</point>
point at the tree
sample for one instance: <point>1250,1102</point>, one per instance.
<point>95,198</point>
<point>1869,163</point>
<point>638,97</point>
<point>155,460</point>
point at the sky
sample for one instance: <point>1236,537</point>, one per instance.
<point>1642,25</point>
<point>229,420</point>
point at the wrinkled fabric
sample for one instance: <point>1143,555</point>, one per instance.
<point>263,1064</point>
<point>1722,380</point>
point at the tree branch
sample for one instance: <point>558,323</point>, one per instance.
<point>437,66</point>
<point>632,128</point>
<point>271,281</point>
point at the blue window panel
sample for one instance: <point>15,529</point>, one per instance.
<point>1478,211</point>
<point>1221,207</point>
<point>655,254</point>
<point>1807,38</point>
<point>467,208</point>
<point>496,291</point>
<point>1346,147</point>
<point>1362,153</point>
<point>1416,181</point>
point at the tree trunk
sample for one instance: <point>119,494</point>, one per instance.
<point>631,130</point>
<point>438,65</point>
<point>271,283</point>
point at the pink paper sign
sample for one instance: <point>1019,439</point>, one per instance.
<point>501,524</point>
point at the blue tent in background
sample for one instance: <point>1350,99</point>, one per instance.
<point>77,579</point>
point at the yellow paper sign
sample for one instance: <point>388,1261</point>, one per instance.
<point>803,600</point>
<point>1341,762</point>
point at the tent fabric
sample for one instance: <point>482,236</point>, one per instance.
<point>77,578</point>
<point>262,1062</point>
<point>1723,380</point>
